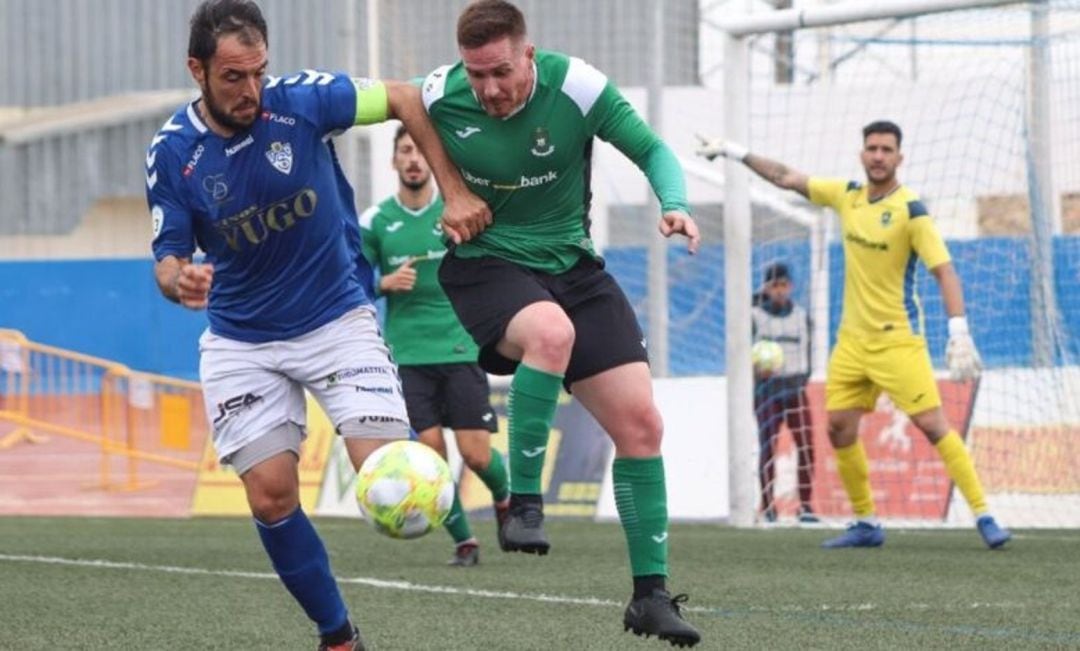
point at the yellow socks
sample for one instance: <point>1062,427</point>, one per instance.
<point>961,470</point>
<point>854,471</point>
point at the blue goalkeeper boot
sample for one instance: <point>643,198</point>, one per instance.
<point>859,534</point>
<point>992,534</point>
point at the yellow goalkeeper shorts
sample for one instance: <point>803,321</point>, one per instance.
<point>860,369</point>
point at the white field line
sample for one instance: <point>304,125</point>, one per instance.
<point>409,586</point>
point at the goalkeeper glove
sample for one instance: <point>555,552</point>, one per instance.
<point>960,354</point>
<point>710,148</point>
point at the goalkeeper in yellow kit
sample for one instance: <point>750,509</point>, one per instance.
<point>886,230</point>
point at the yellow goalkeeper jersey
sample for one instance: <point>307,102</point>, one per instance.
<point>883,242</point>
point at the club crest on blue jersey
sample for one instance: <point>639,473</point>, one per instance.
<point>280,156</point>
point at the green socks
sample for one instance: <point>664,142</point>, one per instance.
<point>456,522</point>
<point>530,410</point>
<point>494,477</point>
<point>641,498</point>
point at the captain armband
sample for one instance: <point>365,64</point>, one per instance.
<point>372,104</point>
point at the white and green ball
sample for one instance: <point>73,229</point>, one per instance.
<point>405,489</point>
<point>767,356</point>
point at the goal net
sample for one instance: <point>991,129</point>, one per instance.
<point>989,103</point>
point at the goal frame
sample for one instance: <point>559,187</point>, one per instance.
<point>737,206</point>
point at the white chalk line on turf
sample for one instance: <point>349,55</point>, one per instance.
<point>502,594</point>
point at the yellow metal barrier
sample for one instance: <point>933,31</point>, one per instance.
<point>144,425</point>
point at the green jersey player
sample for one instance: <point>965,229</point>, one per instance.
<point>531,289</point>
<point>443,384</point>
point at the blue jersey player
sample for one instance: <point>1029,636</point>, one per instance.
<point>247,173</point>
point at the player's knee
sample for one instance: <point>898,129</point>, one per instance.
<point>273,503</point>
<point>476,459</point>
<point>842,432</point>
<point>932,425</point>
<point>552,340</point>
<point>641,432</point>
<point>542,327</point>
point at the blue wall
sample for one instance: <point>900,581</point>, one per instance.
<point>112,308</point>
<point>996,273</point>
<point>106,308</point>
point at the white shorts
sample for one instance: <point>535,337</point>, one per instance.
<point>250,389</point>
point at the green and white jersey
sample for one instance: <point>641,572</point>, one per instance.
<point>533,167</point>
<point>421,327</point>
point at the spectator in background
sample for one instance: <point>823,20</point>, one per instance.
<point>780,395</point>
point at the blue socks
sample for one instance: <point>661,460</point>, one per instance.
<point>299,558</point>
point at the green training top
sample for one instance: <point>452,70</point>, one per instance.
<point>533,167</point>
<point>421,327</point>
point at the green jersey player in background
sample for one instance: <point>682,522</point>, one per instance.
<point>443,384</point>
<point>532,290</point>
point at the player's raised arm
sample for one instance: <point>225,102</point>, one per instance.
<point>465,215</point>
<point>772,171</point>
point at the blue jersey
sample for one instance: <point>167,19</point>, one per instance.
<point>269,206</point>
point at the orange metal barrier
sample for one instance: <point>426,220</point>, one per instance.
<point>145,427</point>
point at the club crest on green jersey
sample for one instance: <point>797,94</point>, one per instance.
<point>541,143</point>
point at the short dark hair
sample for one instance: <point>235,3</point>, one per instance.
<point>777,271</point>
<point>485,21</point>
<point>399,134</point>
<point>216,18</point>
<point>883,126</point>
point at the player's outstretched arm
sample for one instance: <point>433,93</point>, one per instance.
<point>182,282</point>
<point>961,356</point>
<point>772,171</point>
<point>465,215</point>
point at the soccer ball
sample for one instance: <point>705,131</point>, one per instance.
<point>405,489</point>
<point>767,356</point>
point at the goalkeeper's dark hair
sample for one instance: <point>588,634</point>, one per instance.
<point>216,18</point>
<point>485,21</point>
<point>883,126</point>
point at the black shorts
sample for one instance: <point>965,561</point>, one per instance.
<point>487,292</point>
<point>452,395</point>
